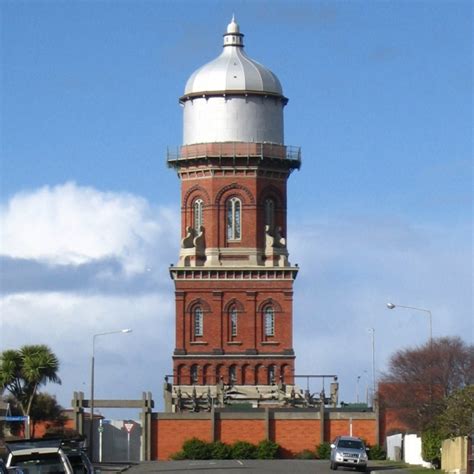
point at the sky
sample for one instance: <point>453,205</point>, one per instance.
<point>381,104</point>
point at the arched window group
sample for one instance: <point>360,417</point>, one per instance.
<point>234,218</point>
<point>235,374</point>
<point>232,314</point>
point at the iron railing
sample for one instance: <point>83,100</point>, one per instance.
<point>234,150</point>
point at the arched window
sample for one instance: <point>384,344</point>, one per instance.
<point>197,214</point>
<point>271,374</point>
<point>194,374</point>
<point>269,321</point>
<point>206,376</point>
<point>270,213</point>
<point>198,321</point>
<point>233,320</point>
<point>232,374</point>
<point>234,207</point>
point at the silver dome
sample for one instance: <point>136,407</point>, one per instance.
<point>232,71</point>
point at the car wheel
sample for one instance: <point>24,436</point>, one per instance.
<point>333,466</point>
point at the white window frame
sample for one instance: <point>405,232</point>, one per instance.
<point>197,214</point>
<point>198,322</point>
<point>233,320</point>
<point>234,219</point>
<point>269,321</point>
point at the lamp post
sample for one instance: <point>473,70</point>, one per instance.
<point>393,306</point>
<point>372,330</point>
<point>91,424</point>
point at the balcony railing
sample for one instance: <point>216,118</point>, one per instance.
<point>235,150</point>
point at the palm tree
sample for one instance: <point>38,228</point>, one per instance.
<point>23,371</point>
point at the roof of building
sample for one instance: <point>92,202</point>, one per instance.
<point>233,71</point>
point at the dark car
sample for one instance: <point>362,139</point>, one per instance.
<point>348,451</point>
<point>76,453</point>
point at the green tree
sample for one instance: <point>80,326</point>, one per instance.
<point>23,371</point>
<point>45,408</point>
<point>455,419</point>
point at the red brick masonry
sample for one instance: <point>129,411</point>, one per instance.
<point>293,430</point>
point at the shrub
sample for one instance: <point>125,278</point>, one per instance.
<point>195,448</point>
<point>244,450</point>
<point>179,456</point>
<point>431,446</point>
<point>376,453</point>
<point>306,454</point>
<point>323,451</point>
<point>220,450</point>
<point>267,449</point>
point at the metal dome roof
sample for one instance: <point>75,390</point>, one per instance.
<point>232,71</point>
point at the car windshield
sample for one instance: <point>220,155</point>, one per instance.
<point>44,464</point>
<point>350,443</point>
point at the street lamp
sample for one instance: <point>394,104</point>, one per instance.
<point>393,306</point>
<point>372,330</point>
<point>91,424</point>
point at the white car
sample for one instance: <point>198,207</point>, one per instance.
<point>43,456</point>
<point>347,451</point>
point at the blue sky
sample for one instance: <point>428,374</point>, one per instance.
<point>380,102</point>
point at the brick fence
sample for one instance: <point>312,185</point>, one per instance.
<point>293,429</point>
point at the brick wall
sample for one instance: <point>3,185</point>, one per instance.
<point>295,435</point>
<point>168,435</point>
<point>362,425</point>
<point>229,431</point>
<point>293,430</point>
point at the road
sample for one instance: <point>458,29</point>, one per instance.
<point>282,466</point>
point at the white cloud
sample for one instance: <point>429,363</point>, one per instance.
<point>68,224</point>
<point>126,364</point>
<point>77,261</point>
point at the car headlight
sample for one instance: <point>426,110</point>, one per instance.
<point>339,457</point>
<point>363,456</point>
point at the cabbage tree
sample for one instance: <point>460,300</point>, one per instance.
<point>23,371</point>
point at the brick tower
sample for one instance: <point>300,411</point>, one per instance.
<point>233,280</point>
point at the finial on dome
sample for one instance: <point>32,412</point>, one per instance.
<point>233,36</point>
<point>233,27</point>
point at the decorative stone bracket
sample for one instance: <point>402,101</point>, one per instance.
<point>193,247</point>
<point>276,253</point>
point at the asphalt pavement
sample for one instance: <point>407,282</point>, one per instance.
<point>283,466</point>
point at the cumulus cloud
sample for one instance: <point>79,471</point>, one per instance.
<point>76,261</point>
<point>68,224</point>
